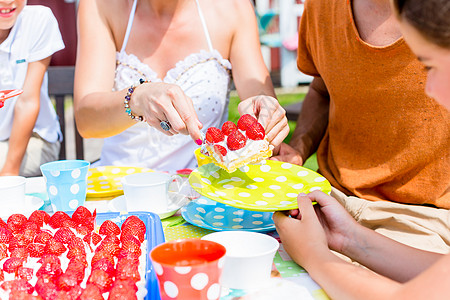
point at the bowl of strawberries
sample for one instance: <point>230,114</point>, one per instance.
<point>82,255</point>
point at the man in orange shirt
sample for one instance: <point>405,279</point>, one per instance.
<point>377,135</point>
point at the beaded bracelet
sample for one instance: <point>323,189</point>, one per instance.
<point>126,102</point>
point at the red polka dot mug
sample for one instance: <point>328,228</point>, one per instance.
<point>189,269</point>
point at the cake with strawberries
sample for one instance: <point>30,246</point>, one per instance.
<point>69,257</point>
<point>234,146</point>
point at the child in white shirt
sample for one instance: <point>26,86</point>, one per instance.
<point>29,129</point>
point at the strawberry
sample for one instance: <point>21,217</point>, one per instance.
<point>3,251</point>
<point>43,236</point>
<point>109,227</point>
<point>220,149</point>
<point>109,247</point>
<point>81,261</point>
<point>131,247</point>
<point>39,217</point>
<point>77,264</point>
<point>83,216</point>
<point>66,281</point>
<point>128,237</point>
<point>113,239</point>
<point>76,252</point>
<point>101,255</point>
<point>64,235</point>
<point>18,241</point>
<point>57,219</point>
<point>54,247</point>
<point>16,222</point>
<point>30,230</point>
<point>49,259</point>
<point>84,231</point>
<point>105,265</point>
<point>91,292</point>
<point>127,269</point>
<point>2,276</point>
<point>236,140</point>
<point>35,249</point>
<point>75,292</point>
<point>3,224</point>
<point>18,285</point>
<point>228,127</point>
<point>214,135</point>
<point>256,132</point>
<point>21,253</point>
<point>134,226</point>
<point>118,293</point>
<point>25,273</point>
<point>96,238</point>
<point>51,266</point>
<point>22,295</point>
<point>77,269</point>
<point>101,279</point>
<point>69,224</point>
<point>75,242</point>
<point>5,235</point>
<point>46,289</point>
<point>12,264</point>
<point>125,284</point>
<point>245,121</point>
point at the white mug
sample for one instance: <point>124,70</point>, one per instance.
<point>148,191</point>
<point>12,191</point>
<point>248,260</point>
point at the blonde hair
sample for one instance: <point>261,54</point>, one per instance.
<point>430,17</point>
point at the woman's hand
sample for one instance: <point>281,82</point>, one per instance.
<point>158,102</point>
<point>270,114</point>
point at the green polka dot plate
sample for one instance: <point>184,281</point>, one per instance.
<point>267,186</point>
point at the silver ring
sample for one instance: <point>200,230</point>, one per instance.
<point>165,125</point>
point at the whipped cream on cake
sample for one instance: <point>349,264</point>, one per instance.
<point>234,146</point>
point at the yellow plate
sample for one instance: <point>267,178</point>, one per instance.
<point>268,186</point>
<point>105,181</point>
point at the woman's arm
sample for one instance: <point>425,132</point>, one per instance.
<point>251,77</point>
<point>99,112</point>
<point>26,112</point>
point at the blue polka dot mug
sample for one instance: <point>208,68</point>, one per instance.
<point>66,182</point>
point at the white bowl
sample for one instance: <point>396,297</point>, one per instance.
<point>248,260</point>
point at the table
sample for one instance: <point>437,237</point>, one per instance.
<point>176,227</point>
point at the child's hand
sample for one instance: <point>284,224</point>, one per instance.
<point>337,223</point>
<point>313,229</point>
<point>302,234</point>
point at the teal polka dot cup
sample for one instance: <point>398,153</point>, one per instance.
<point>66,182</point>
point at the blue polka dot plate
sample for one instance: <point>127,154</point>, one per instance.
<point>209,214</point>
<point>267,186</point>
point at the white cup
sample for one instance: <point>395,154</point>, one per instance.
<point>12,193</point>
<point>248,260</point>
<point>148,191</point>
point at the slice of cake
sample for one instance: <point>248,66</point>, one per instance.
<point>234,146</point>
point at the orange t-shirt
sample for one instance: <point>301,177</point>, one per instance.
<point>386,140</point>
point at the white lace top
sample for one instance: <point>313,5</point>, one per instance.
<point>203,76</point>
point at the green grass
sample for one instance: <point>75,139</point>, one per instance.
<point>284,99</point>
